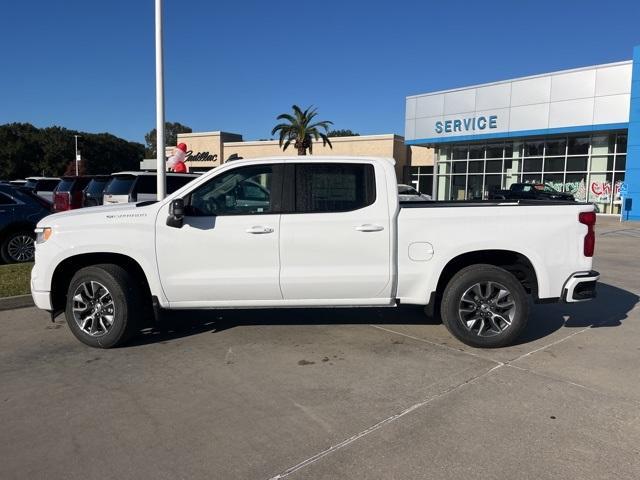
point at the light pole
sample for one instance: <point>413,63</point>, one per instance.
<point>77,155</point>
<point>160,168</point>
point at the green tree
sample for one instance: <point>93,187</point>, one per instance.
<point>27,150</point>
<point>342,133</point>
<point>301,131</point>
<point>171,131</point>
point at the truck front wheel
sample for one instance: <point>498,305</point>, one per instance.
<point>484,306</point>
<point>103,305</point>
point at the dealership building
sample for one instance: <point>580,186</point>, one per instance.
<point>576,130</point>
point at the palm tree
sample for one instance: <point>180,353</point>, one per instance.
<point>301,131</point>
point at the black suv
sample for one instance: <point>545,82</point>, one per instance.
<point>20,210</point>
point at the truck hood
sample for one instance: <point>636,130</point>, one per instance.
<point>93,215</point>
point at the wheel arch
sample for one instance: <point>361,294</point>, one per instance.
<point>68,267</point>
<point>514,262</point>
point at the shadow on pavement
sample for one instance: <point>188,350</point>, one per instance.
<point>609,309</point>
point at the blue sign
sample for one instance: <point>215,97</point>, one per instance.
<point>468,124</point>
<point>624,189</point>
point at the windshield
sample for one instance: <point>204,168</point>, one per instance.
<point>120,185</point>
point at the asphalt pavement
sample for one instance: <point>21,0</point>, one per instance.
<point>333,393</point>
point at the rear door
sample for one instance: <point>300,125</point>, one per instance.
<point>335,246</point>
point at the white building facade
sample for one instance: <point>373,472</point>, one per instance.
<point>567,129</point>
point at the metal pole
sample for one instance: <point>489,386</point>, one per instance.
<point>76,137</point>
<point>160,169</point>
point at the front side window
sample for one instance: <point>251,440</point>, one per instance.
<point>334,187</point>
<point>241,191</point>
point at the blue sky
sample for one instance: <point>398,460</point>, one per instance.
<point>235,65</point>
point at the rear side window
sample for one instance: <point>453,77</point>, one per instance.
<point>332,187</point>
<point>65,185</point>
<point>96,186</point>
<point>120,185</point>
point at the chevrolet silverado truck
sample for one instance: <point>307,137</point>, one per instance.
<point>312,232</point>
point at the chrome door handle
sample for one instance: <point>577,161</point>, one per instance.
<point>257,229</point>
<point>369,227</point>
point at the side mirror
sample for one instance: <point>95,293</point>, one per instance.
<point>176,213</point>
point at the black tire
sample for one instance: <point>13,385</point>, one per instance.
<point>15,240</point>
<point>485,325</point>
<point>125,297</point>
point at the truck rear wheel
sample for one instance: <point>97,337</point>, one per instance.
<point>103,305</point>
<point>484,306</point>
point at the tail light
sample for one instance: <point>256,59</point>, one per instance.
<point>61,201</point>
<point>589,219</point>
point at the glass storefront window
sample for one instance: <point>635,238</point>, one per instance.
<point>600,190</point>
<point>602,164</point>
<point>533,148</point>
<point>459,167</point>
<point>476,151</point>
<point>459,152</point>
<point>474,187</point>
<point>555,164</point>
<point>590,166</point>
<point>494,166</point>
<point>443,187</point>
<point>444,168</point>
<point>532,165</point>
<point>618,178</point>
<point>537,178</point>
<point>556,147</point>
<point>458,187</point>
<point>444,154</point>
<point>476,166</point>
<point>554,180</point>
<point>578,145</point>
<point>494,150</point>
<point>577,164</point>
<point>576,183</point>
<point>491,184</point>
<point>602,144</point>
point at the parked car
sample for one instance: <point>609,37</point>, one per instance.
<point>18,183</point>
<point>43,186</point>
<point>407,193</point>
<point>20,211</point>
<point>68,193</point>
<point>530,191</point>
<point>94,191</point>
<point>126,187</point>
<point>332,233</point>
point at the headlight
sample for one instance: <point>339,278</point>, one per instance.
<point>43,234</point>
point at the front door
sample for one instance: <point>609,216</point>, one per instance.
<point>335,246</point>
<point>227,249</point>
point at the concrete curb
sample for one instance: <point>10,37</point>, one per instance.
<point>19,301</point>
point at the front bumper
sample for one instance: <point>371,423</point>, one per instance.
<point>580,287</point>
<point>42,300</point>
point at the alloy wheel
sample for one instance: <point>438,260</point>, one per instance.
<point>487,309</point>
<point>93,308</point>
<point>21,248</point>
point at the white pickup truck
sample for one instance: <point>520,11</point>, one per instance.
<point>311,232</point>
